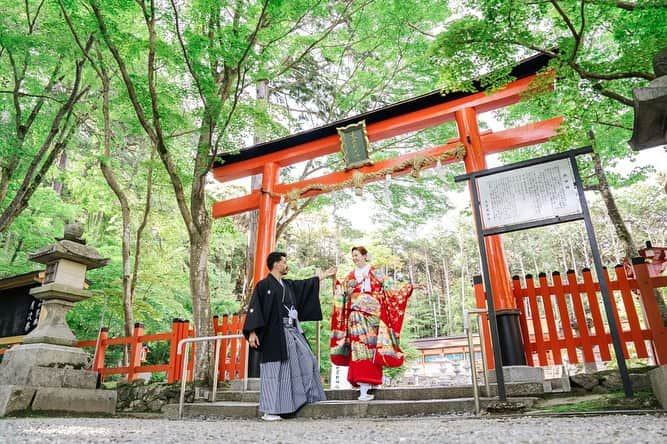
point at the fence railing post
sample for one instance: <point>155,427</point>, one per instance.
<point>178,358</point>
<point>235,371</point>
<point>191,365</point>
<point>224,365</point>
<point>100,349</point>
<point>615,309</point>
<point>630,311</point>
<point>572,287</point>
<point>243,361</point>
<point>182,334</point>
<point>135,351</point>
<point>480,299</point>
<point>550,314</point>
<point>173,357</point>
<point>599,337</point>
<point>651,309</point>
<point>528,346</point>
<point>565,322</point>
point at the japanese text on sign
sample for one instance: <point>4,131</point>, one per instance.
<point>529,194</point>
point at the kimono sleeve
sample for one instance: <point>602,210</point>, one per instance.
<point>307,294</point>
<point>255,319</point>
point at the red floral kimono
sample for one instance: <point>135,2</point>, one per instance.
<point>366,326</point>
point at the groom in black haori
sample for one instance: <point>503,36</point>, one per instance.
<point>289,372</point>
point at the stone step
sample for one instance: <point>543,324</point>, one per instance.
<point>338,408</point>
<point>399,393</point>
<point>21,399</point>
<point>385,394</point>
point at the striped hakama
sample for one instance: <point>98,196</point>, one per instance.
<point>285,386</point>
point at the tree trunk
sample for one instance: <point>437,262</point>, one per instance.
<point>612,209</point>
<point>62,164</point>
<point>262,93</point>
<point>8,240</point>
<point>9,165</point>
<point>142,225</point>
<point>201,302</point>
<point>536,268</point>
<point>583,241</point>
<point>445,272</point>
<point>563,253</point>
<point>199,231</point>
<point>256,182</point>
<point>19,245</point>
<point>523,270</point>
<point>463,277</point>
<point>619,225</point>
<point>194,213</point>
<point>614,244</point>
<point>572,255</point>
<point>125,212</point>
<point>429,287</point>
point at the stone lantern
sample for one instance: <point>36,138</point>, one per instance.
<point>64,279</point>
<point>650,103</point>
<point>46,372</point>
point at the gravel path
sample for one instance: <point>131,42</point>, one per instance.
<point>450,429</point>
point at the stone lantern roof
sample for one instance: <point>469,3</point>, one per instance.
<point>70,250</point>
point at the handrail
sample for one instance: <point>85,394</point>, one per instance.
<point>184,368</point>
<point>471,352</point>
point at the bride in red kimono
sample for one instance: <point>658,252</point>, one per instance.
<point>366,323</point>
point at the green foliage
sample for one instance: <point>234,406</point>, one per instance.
<point>33,229</point>
<point>600,52</point>
<point>616,400</point>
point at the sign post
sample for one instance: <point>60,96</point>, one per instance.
<point>538,192</point>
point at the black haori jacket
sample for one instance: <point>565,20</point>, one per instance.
<point>266,311</point>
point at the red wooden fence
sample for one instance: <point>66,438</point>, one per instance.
<point>232,351</point>
<point>567,317</point>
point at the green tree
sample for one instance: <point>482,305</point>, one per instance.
<point>42,80</point>
<point>599,50</point>
<point>365,57</point>
<point>202,56</point>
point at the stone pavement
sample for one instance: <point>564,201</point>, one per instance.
<point>434,429</point>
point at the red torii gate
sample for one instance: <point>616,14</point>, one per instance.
<point>411,115</point>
